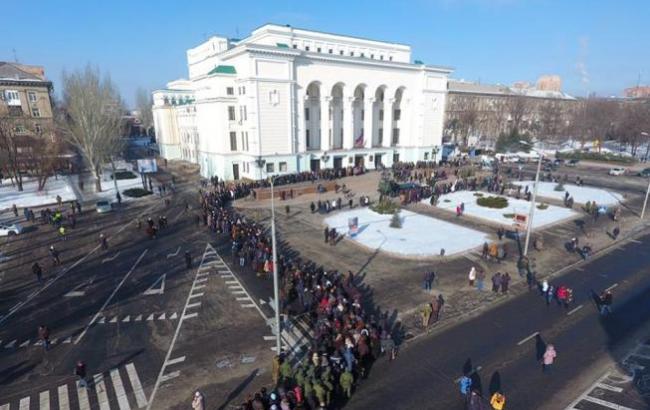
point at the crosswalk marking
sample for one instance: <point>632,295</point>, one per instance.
<point>25,343</point>
<point>170,376</point>
<point>150,317</point>
<point>127,319</point>
<point>44,400</point>
<point>24,403</point>
<point>196,295</point>
<point>191,315</point>
<point>68,340</point>
<point>232,282</point>
<point>10,344</point>
<point>161,316</point>
<point>102,320</point>
<point>250,305</point>
<point>193,305</point>
<point>82,395</point>
<point>605,403</point>
<point>174,316</point>
<point>64,401</point>
<point>138,318</point>
<point>140,397</point>
<point>102,395</point>
<point>114,320</point>
<point>199,286</point>
<point>122,400</point>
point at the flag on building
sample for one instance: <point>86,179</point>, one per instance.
<point>358,142</point>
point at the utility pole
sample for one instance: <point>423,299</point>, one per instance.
<point>531,213</point>
<point>278,336</point>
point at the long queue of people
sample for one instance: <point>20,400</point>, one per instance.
<point>346,338</point>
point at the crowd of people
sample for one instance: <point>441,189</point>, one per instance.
<point>346,338</point>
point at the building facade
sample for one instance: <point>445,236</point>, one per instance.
<point>479,113</point>
<point>288,100</point>
<point>25,99</point>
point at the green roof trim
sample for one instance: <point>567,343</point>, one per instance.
<point>418,62</point>
<point>223,69</point>
<point>282,45</point>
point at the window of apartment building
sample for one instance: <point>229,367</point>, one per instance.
<point>426,156</point>
<point>318,49</point>
<point>36,112</point>
<point>243,90</point>
<point>372,56</point>
<point>395,136</point>
<point>381,115</point>
<point>363,55</point>
<point>244,140</point>
<point>306,114</point>
<point>31,96</point>
<point>295,46</point>
<point>230,91</point>
<point>242,112</point>
<point>331,51</point>
<point>20,129</point>
<point>390,58</point>
<point>306,48</point>
<point>12,97</point>
<point>363,114</point>
<point>380,136</point>
<point>270,167</point>
<point>38,128</point>
<point>341,52</point>
<point>381,57</point>
<point>233,141</point>
<point>283,167</point>
<point>351,53</point>
<point>397,114</point>
<point>307,138</point>
<point>231,113</point>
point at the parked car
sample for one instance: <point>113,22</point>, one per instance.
<point>558,161</point>
<point>644,172</point>
<point>10,230</point>
<point>617,171</point>
<point>572,163</point>
<point>103,207</point>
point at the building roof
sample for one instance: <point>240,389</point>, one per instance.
<point>223,69</point>
<point>498,89</point>
<point>17,72</point>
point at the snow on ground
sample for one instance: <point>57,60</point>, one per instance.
<point>108,188</point>
<point>542,217</point>
<point>31,197</point>
<point>420,235</point>
<point>580,194</point>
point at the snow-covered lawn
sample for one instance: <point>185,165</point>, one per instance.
<point>542,217</point>
<point>31,197</point>
<point>419,236</point>
<point>580,194</point>
<point>108,188</point>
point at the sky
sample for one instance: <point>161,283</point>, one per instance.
<point>596,46</point>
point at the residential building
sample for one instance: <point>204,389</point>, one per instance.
<point>642,91</point>
<point>286,100</point>
<point>25,99</point>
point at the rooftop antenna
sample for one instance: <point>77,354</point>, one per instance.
<point>15,55</point>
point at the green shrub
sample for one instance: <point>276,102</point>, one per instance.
<point>497,202</point>
<point>596,156</point>
<point>446,200</point>
<point>508,216</point>
<point>478,194</point>
<point>124,175</point>
<point>542,206</point>
<point>136,192</point>
<point>385,206</point>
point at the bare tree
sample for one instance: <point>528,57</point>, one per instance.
<point>12,142</point>
<point>144,102</point>
<point>632,122</point>
<point>550,120</point>
<point>91,117</point>
<point>518,108</point>
<point>594,119</point>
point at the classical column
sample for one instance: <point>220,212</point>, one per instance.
<point>388,122</point>
<point>325,123</point>
<point>367,122</point>
<point>301,143</point>
<point>348,123</point>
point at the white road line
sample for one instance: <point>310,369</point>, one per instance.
<point>114,320</point>
<point>5,407</point>
<point>102,320</point>
<point>191,315</point>
<point>244,298</point>
<point>25,343</point>
<point>641,355</point>
<point>608,387</point>
<point>478,369</point>
<point>193,305</point>
<point>24,403</point>
<point>250,305</point>
<point>171,375</point>
<point>64,399</point>
<point>68,339</point>
<point>44,400</point>
<point>161,374</point>
<point>176,360</point>
<point>574,310</point>
<point>199,287</point>
<point>161,317</point>
<point>269,337</point>
<point>173,316</point>
<point>232,282</point>
<point>122,400</point>
<point>138,318</point>
<point>612,287</point>
<point>110,297</point>
<point>201,280</point>
<point>635,241</point>
<point>239,292</point>
<point>102,394</point>
<point>197,295</point>
<point>10,344</point>
<point>170,255</point>
<point>605,403</point>
<point>82,395</point>
<point>157,291</point>
<point>111,258</point>
<point>150,317</point>
<point>522,341</point>
<point>235,287</point>
<point>587,391</point>
<point>127,319</point>
<point>140,397</point>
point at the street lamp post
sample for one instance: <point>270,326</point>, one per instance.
<point>531,213</point>
<point>275,276</point>
<point>647,192</point>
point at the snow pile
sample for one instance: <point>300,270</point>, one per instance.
<point>419,235</point>
<point>542,217</point>
<point>31,197</point>
<point>580,194</point>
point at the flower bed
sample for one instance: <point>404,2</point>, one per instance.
<point>496,202</point>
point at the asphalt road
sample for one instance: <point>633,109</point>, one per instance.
<point>502,344</point>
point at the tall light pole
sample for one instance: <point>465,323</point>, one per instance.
<point>531,213</point>
<point>275,276</point>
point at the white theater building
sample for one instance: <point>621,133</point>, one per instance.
<point>287,100</point>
